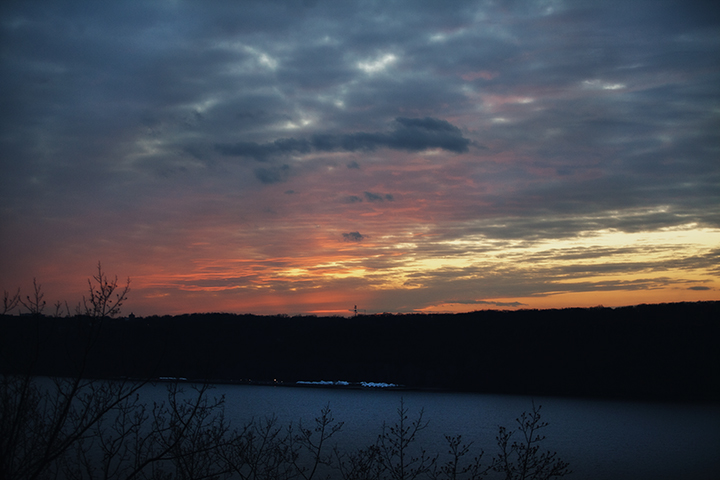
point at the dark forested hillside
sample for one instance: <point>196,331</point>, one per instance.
<point>666,352</point>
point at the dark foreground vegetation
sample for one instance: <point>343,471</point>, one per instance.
<point>70,403</point>
<point>70,425</point>
<point>100,429</point>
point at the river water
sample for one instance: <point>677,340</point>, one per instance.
<point>600,439</point>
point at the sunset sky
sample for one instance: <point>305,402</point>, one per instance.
<point>305,157</point>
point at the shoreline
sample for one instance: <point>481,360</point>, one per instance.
<point>368,386</point>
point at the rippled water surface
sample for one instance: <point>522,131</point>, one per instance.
<point>600,439</point>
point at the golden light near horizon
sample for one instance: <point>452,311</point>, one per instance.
<point>608,267</point>
<point>409,156</point>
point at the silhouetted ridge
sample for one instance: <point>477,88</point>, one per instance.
<point>666,351</point>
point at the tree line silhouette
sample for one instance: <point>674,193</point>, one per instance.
<point>659,352</point>
<point>70,384</point>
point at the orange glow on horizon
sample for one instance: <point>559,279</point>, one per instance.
<point>316,269</point>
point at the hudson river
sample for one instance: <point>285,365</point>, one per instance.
<point>600,439</point>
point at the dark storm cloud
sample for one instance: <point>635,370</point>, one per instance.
<point>272,174</point>
<point>378,197</point>
<point>373,197</point>
<point>264,152</point>
<point>353,237</point>
<point>409,134</point>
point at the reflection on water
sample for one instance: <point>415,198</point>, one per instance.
<point>600,439</point>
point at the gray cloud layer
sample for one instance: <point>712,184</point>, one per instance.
<point>412,134</point>
<point>513,121</point>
